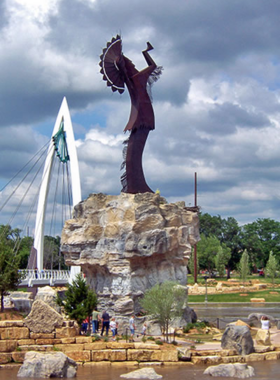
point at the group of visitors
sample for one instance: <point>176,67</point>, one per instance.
<point>103,322</point>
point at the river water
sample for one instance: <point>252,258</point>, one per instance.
<point>228,312</point>
<point>268,370</point>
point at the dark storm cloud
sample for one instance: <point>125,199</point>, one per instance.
<point>188,37</point>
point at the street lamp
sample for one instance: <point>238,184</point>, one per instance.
<point>206,278</point>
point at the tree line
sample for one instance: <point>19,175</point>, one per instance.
<point>223,241</point>
<point>21,247</point>
<point>14,255</point>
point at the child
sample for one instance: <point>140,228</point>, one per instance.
<point>144,329</point>
<point>84,326</point>
<point>113,327</point>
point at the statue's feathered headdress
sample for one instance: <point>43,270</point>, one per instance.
<point>109,68</point>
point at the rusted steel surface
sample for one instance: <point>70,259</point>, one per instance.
<point>119,71</point>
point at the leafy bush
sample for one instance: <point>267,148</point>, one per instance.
<point>159,342</point>
<point>188,327</point>
<point>96,338</point>
<point>164,302</point>
<point>196,325</point>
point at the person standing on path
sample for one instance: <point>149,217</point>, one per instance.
<point>113,327</point>
<point>265,323</point>
<point>132,328</point>
<point>144,329</point>
<point>95,320</point>
<point>105,319</point>
<point>263,334</point>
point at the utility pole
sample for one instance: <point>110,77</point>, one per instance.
<point>194,252</point>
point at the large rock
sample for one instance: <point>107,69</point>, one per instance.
<point>263,337</point>
<point>143,373</point>
<point>238,338</point>
<point>43,318</point>
<point>48,295</point>
<point>239,370</point>
<point>127,243</point>
<point>37,364</point>
<point>22,301</point>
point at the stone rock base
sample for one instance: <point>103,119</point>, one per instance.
<point>127,243</point>
<point>263,337</point>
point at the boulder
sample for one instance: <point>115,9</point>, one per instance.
<point>22,301</point>
<point>239,322</point>
<point>263,337</point>
<point>189,315</point>
<point>43,318</point>
<point>38,364</point>
<point>238,338</point>
<point>239,370</point>
<point>48,295</point>
<point>143,373</point>
<point>184,354</point>
<point>127,243</point>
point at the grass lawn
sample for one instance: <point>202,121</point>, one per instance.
<point>236,297</point>
<point>263,280</point>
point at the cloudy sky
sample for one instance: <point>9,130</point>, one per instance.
<point>216,105</point>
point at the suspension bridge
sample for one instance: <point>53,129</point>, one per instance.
<point>48,182</point>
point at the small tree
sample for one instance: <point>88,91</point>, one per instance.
<point>79,300</point>
<point>243,266</point>
<point>9,274</point>
<point>222,258</point>
<point>219,262</point>
<point>191,265</point>
<point>271,267</point>
<point>207,249</point>
<point>164,302</point>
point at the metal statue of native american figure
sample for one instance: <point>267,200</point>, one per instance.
<point>118,71</point>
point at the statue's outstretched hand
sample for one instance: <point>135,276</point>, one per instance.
<point>149,47</point>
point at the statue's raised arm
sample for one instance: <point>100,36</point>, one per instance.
<point>118,71</point>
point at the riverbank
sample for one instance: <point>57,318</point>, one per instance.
<point>16,340</point>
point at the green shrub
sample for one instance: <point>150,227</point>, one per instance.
<point>188,327</point>
<point>96,338</point>
<point>144,339</point>
<point>159,342</point>
<point>197,325</point>
<point>150,338</point>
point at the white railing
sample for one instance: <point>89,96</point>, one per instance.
<point>35,277</point>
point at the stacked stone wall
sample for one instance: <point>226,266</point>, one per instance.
<point>16,340</point>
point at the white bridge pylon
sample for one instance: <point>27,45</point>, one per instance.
<point>64,115</point>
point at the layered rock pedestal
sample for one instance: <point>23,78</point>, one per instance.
<point>127,243</point>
